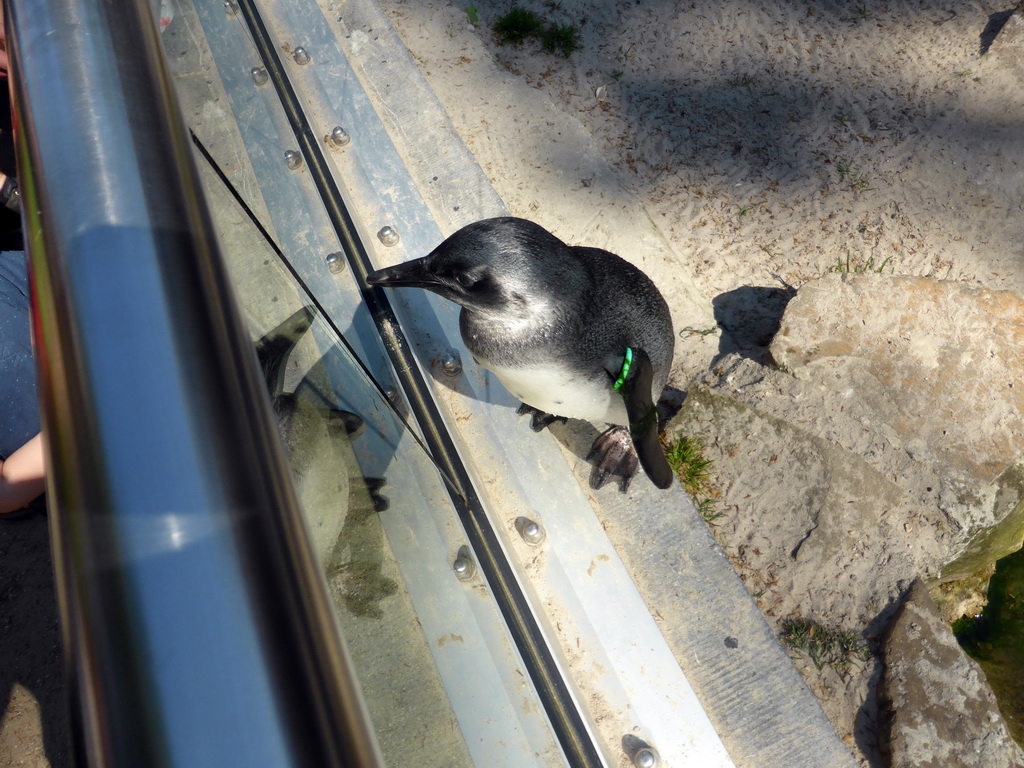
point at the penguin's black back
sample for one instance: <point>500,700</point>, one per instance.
<point>621,307</point>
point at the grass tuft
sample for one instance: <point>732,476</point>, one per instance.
<point>518,25</point>
<point>561,39</point>
<point>850,267</point>
<point>856,182</point>
<point>836,648</point>
<point>686,457</point>
<point>521,24</point>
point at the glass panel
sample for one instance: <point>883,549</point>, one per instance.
<point>346,444</point>
<point>442,679</point>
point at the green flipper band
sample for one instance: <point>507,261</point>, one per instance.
<point>627,361</point>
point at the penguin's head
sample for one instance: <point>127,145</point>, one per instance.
<point>495,266</point>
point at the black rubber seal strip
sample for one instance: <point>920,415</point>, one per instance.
<point>554,694</point>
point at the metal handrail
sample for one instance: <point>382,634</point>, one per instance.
<point>196,624</point>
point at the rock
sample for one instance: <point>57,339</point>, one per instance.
<point>797,508</point>
<point>807,490</point>
<point>930,369</point>
<point>813,530</point>
<point>937,706</point>
<point>881,453</point>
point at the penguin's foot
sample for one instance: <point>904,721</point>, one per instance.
<point>346,421</point>
<point>365,498</point>
<point>539,419</point>
<point>615,457</point>
<point>373,486</point>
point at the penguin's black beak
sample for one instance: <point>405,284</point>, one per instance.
<point>414,274</point>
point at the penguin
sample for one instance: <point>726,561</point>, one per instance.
<point>571,331</point>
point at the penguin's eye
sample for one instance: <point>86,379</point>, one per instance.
<point>464,279</point>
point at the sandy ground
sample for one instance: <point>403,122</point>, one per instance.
<point>766,141</point>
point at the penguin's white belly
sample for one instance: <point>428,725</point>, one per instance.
<point>562,393</point>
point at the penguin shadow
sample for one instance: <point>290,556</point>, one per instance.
<point>749,318</point>
<point>340,504</point>
<point>996,22</point>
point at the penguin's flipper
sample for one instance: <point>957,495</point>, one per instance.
<point>614,457</point>
<point>539,419</point>
<point>643,419</point>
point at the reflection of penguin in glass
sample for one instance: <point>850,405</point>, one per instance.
<point>567,330</point>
